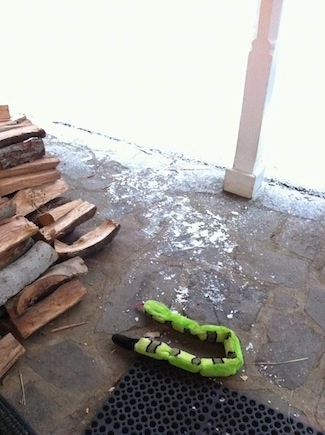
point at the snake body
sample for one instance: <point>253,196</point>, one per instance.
<point>209,367</point>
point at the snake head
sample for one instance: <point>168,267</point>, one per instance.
<point>157,310</point>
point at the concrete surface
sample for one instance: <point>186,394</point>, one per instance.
<point>256,266</point>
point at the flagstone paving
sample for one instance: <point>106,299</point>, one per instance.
<point>255,266</point>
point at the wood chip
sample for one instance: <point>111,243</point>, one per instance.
<point>23,399</point>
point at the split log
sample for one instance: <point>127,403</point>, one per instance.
<point>26,269</point>
<point>56,202</point>
<point>62,299</point>
<point>15,121</point>
<point>45,284</point>
<point>4,112</point>
<point>11,125</point>
<point>42,164</point>
<point>19,182</point>
<point>23,152</point>
<point>7,208</point>
<point>56,213</point>
<point>13,231</point>
<point>13,253</point>
<point>90,242</point>
<point>20,134</point>
<point>68,222</point>
<point>29,200</point>
<point>10,351</point>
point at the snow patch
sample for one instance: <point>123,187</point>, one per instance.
<point>181,295</point>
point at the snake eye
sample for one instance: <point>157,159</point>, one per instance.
<point>231,354</point>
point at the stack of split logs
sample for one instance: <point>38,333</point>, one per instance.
<point>38,269</point>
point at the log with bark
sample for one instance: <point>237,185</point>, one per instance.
<point>7,208</point>
<point>62,299</point>
<point>23,152</point>
<point>44,285</point>
<point>15,252</point>
<point>13,231</point>
<point>29,200</point>
<point>68,221</point>
<point>13,184</point>
<point>26,269</point>
<point>89,243</point>
<point>42,164</point>
<point>20,134</point>
<point>10,351</point>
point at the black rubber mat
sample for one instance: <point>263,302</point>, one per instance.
<point>155,398</point>
<point>11,423</point>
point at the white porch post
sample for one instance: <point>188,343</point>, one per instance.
<point>246,176</point>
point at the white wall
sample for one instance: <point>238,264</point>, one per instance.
<point>165,74</point>
<point>294,133</point>
<point>168,74</point>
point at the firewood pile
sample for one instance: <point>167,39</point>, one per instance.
<point>38,268</point>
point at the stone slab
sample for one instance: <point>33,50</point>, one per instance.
<point>304,237</point>
<point>259,224</point>
<point>68,366</point>
<point>289,338</point>
<point>271,265</point>
<point>40,411</point>
<point>216,299</point>
<point>315,306</point>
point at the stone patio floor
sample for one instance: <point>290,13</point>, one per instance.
<point>255,266</point>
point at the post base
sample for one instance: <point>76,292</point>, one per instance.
<point>241,183</point>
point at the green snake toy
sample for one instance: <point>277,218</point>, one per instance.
<point>210,367</point>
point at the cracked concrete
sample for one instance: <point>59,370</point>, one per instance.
<point>255,266</point>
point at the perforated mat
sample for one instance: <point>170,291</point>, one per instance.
<point>155,398</point>
<point>11,423</point>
